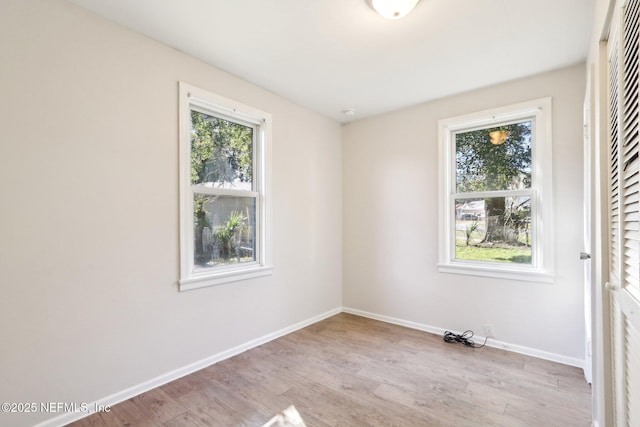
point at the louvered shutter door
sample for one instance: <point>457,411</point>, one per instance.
<point>624,211</point>
<point>614,173</point>
<point>632,370</point>
<point>631,141</point>
<point>630,146</point>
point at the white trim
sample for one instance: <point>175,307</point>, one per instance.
<point>205,101</point>
<point>191,97</point>
<point>509,272</point>
<point>494,116</point>
<point>175,374</point>
<point>541,270</point>
<point>201,189</point>
<point>501,193</point>
<point>515,348</point>
<point>185,370</point>
<point>234,275</point>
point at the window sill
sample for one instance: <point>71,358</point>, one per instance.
<point>498,272</point>
<point>223,277</point>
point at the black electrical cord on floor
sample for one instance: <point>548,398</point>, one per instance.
<point>464,338</point>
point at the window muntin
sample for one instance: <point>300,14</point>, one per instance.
<point>495,193</point>
<point>224,220</point>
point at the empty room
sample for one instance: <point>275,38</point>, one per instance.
<point>319,213</point>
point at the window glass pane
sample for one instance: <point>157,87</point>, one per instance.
<point>496,229</point>
<point>221,153</point>
<point>497,158</point>
<point>224,231</point>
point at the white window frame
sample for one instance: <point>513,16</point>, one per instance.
<point>227,109</point>
<point>541,268</point>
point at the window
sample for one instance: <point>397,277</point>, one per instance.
<point>224,221</point>
<point>495,193</point>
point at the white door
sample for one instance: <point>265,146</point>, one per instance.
<point>624,210</point>
<point>586,255</point>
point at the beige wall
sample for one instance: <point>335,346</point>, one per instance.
<point>390,219</point>
<point>89,217</point>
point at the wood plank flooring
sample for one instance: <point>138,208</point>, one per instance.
<point>352,371</point>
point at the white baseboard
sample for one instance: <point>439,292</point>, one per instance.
<point>559,358</point>
<point>123,395</point>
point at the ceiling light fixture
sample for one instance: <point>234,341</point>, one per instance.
<point>393,9</point>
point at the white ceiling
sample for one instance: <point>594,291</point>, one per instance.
<point>329,55</point>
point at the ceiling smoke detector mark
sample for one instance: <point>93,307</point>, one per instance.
<point>349,112</point>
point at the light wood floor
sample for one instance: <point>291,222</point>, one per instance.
<point>352,371</point>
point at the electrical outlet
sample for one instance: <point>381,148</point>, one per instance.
<point>488,330</point>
